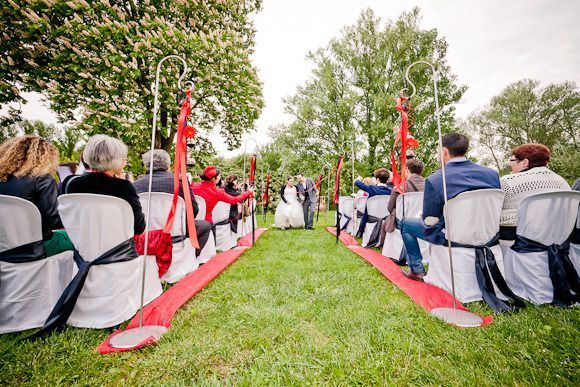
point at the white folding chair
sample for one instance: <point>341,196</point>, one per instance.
<point>349,215</point>
<point>201,207</point>
<point>474,221</point>
<point>377,207</point>
<point>28,290</point>
<point>360,204</point>
<point>183,260</point>
<point>225,239</point>
<point>411,203</point>
<point>547,218</point>
<point>112,292</point>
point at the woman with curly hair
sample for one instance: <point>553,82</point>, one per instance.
<point>26,165</point>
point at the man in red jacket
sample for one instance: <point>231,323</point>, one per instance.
<point>212,195</point>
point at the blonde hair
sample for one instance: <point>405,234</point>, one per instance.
<point>104,153</point>
<point>367,181</point>
<point>27,156</point>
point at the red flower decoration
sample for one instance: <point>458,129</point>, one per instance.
<point>190,131</point>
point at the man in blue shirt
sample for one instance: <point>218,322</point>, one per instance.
<point>462,175</point>
<point>382,176</point>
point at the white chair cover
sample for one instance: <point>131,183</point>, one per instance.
<point>201,207</point>
<point>28,290</point>
<point>247,225</point>
<point>377,206</point>
<point>575,248</point>
<point>360,204</point>
<point>546,218</point>
<point>342,206</point>
<point>225,239</point>
<point>183,259</point>
<point>412,203</point>
<point>475,221</point>
<point>112,292</point>
<point>347,209</point>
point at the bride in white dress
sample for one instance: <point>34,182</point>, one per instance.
<point>289,213</point>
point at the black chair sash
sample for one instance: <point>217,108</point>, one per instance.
<point>178,238</point>
<point>563,276</point>
<point>487,273</point>
<point>348,219</point>
<point>29,252</point>
<point>124,251</point>
<point>375,237</point>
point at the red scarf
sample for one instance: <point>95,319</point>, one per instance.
<point>407,142</point>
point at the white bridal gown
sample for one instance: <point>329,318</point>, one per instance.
<point>289,214</point>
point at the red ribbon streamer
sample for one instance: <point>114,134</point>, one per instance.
<point>180,168</point>
<point>265,195</point>
<point>407,142</point>
<point>252,169</point>
<point>318,181</point>
<point>337,179</point>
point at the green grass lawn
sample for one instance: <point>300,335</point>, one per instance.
<point>297,309</point>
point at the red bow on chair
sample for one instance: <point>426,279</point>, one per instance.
<point>407,142</point>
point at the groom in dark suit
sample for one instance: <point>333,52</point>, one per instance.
<point>307,191</point>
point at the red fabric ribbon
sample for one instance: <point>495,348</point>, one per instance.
<point>265,195</point>
<point>407,142</point>
<point>318,181</point>
<point>252,169</point>
<point>158,244</point>
<point>180,168</point>
<point>337,179</point>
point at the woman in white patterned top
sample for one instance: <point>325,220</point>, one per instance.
<point>530,175</point>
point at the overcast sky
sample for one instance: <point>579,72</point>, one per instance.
<point>491,44</point>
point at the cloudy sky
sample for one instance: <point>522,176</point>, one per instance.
<point>491,44</point>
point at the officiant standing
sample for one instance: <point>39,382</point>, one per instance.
<point>307,192</point>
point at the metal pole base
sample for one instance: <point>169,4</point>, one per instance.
<point>457,317</point>
<point>132,337</point>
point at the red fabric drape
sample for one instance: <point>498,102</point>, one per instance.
<point>337,179</point>
<point>407,142</point>
<point>319,181</point>
<point>265,195</point>
<point>252,169</point>
<point>180,168</point>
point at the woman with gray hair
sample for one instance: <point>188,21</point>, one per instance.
<point>107,157</point>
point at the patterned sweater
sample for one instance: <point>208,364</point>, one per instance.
<point>519,185</point>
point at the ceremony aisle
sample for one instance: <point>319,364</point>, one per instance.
<point>299,309</point>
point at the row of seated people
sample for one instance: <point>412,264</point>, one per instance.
<point>484,211</point>
<point>97,217</point>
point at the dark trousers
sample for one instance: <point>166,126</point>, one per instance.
<point>202,228</point>
<point>309,209</point>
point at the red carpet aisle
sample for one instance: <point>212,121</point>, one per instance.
<point>426,295</point>
<point>162,309</point>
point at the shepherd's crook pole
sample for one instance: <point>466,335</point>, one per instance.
<point>452,316</point>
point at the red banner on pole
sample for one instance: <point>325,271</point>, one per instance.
<point>407,142</point>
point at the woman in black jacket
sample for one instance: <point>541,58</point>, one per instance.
<point>26,165</point>
<point>231,189</point>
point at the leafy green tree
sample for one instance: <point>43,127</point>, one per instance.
<point>525,112</point>
<point>95,62</point>
<point>354,86</point>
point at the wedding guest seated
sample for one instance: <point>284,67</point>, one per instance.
<point>462,175</point>
<point>414,183</point>
<point>382,175</point>
<point>107,157</point>
<point>63,188</point>
<point>163,182</point>
<point>231,188</point>
<point>26,165</point>
<point>530,175</point>
<point>212,195</point>
<point>360,192</point>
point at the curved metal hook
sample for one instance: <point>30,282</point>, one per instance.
<point>409,80</point>
<point>256,148</point>
<point>189,85</point>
